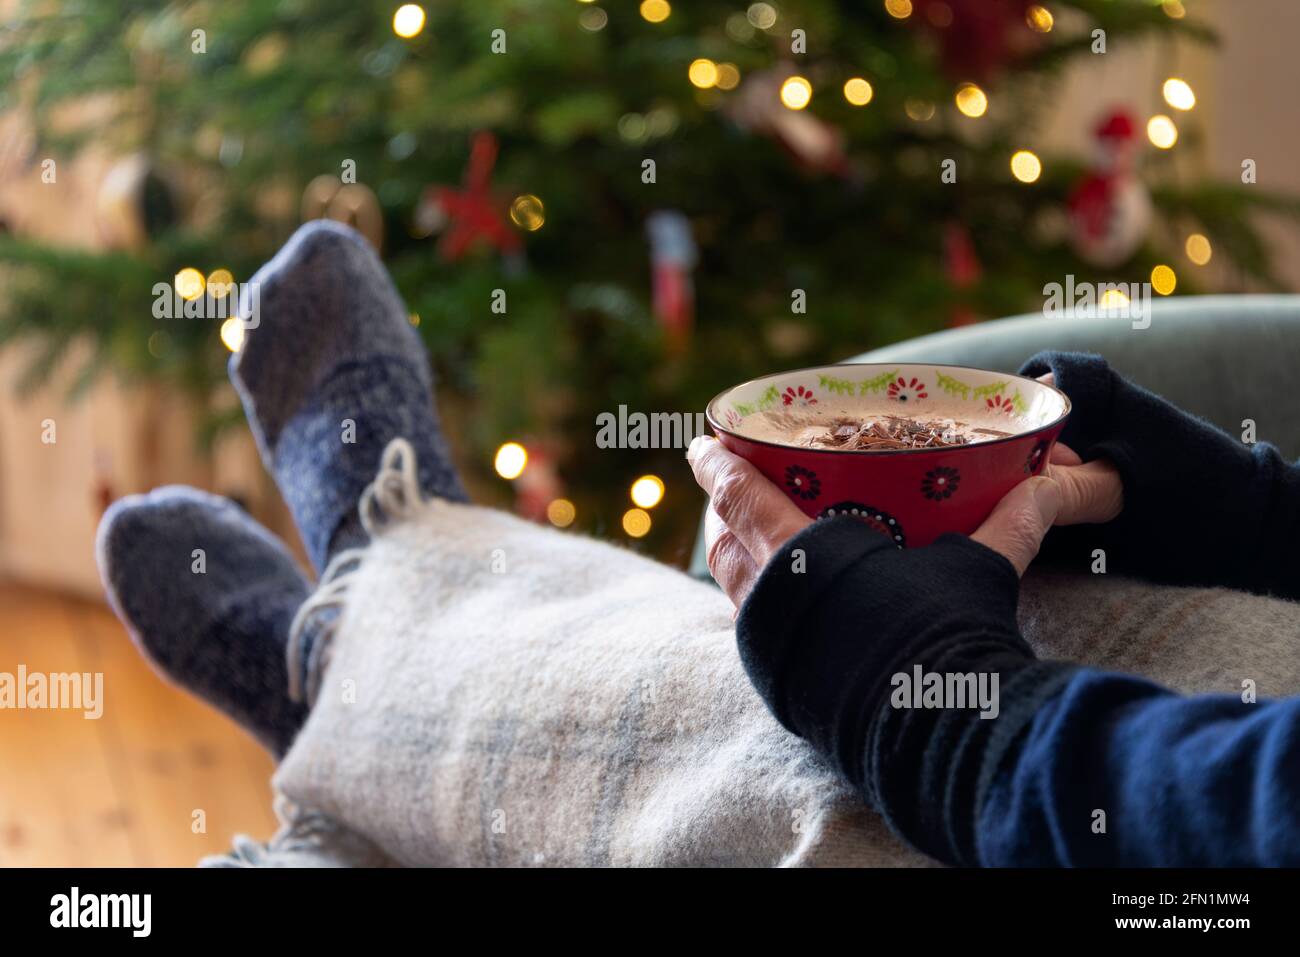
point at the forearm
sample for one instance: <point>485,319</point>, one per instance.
<point>1200,507</point>
<point>839,612</point>
<point>1116,771</point>
<point>1053,765</point>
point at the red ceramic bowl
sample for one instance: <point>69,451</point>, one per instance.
<point>912,495</point>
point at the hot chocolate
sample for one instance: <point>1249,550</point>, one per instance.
<point>842,430</point>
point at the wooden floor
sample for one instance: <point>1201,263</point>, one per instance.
<point>121,790</point>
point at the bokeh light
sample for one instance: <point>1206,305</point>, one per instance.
<point>1198,249</point>
<point>920,110</point>
<point>408,20</point>
<point>510,460</point>
<point>647,491</point>
<point>593,19</point>
<point>739,28</point>
<point>636,522</point>
<point>561,513</point>
<point>527,212</point>
<point>728,76</point>
<point>900,9</point>
<point>1039,18</point>
<point>1163,280</point>
<point>655,11</point>
<point>761,15</point>
<point>159,344</point>
<point>632,127</point>
<point>703,73</point>
<point>189,283</point>
<point>232,334</point>
<point>1178,94</point>
<point>971,100</point>
<point>858,91</point>
<point>1026,166</point>
<point>220,282</point>
<point>1113,299</point>
<point>796,92</point>
<point>1162,132</point>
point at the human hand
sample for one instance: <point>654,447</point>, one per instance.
<point>1091,493</point>
<point>750,518</point>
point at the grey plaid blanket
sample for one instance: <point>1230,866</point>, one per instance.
<point>498,693</point>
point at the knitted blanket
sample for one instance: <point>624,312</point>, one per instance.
<point>498,693</point>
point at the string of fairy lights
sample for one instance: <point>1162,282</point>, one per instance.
<point>646,492</point>
<point>796,92</point>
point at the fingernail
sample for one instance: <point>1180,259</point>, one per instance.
<point>693,449</point>
<point>1047,499</point>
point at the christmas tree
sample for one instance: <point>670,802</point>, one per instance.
<point>590,205</point>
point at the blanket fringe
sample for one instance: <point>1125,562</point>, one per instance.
<point>304,837</point>
<point>395,492</point>
<point>392,496</point>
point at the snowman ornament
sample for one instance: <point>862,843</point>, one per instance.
<point>1110,208</point>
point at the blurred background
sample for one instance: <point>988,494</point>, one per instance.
<point>586,205</point>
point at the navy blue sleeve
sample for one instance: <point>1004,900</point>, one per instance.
<point>839,613</point>
<point>1115,770</point>
<point>1012,761</point>
<point>1201,507</point>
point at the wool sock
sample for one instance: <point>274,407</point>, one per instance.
<point>207,595</point>
<point>330,374</point>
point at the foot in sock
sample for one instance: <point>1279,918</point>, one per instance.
<point>207,595</point>
<point>333,372</point>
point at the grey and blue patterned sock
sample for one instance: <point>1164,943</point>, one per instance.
<point>207,595</point>
<point>331,374</point>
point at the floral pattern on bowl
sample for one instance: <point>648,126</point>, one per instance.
<point>907,390</point>
<point>928,491</point>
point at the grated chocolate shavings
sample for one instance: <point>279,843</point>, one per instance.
<point>891,433</point>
